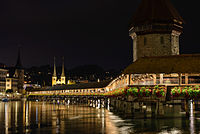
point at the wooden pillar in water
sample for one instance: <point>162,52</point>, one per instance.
<point>187,108</point>
<point>159,109</point>
<point>153,110</point>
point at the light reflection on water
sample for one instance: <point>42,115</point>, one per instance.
<point>43,117</point>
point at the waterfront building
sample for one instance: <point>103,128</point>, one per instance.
<point>12,84</point>
<point>55,80</point>
<point>19,73</point>
<point>12,78</point>
<point>3,74</point>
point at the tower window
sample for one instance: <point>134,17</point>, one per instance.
<point>145,40</point>
<point>162,40</point>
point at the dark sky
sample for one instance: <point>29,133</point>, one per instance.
<point>84,31</point>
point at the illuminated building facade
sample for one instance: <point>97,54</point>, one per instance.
<point>12,84</point>
<point>3,74</point>
<point>55,80</point>
<point>12,78</point>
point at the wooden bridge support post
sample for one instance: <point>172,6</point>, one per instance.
<point>88,101</point>
<point>117,104</point>
<point>93,102</point>
<point>187,108</point>
<point>105,102</point>
<point>159,109</point>
<point>128,110</point>
<point>113,102</point>
<point>121,105</point>
<point>153,110</point>
<point>136,106</point>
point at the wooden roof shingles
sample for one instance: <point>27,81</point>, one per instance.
<point>157,12</point>
<point>165,64</point>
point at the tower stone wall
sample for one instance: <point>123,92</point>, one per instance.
<point>155,29</point>
<point>155,45</point>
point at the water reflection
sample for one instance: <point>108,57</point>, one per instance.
<point>43,117</point>
<point>6,118</point>
<point>192,127</point>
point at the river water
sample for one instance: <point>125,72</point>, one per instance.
<point>52,118</point>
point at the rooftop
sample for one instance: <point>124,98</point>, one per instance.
<point>189,63</point>
<point>156,11</point>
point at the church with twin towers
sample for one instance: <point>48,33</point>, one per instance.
<point>62,79</point>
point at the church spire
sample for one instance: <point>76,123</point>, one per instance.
<point>19,63</point>
<point>63,67</point>
<point>54,72</point>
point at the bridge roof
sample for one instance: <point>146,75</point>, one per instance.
<point>78,86</point>
<point>166,64</point>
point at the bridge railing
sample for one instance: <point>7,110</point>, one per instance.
<point>140,91</point>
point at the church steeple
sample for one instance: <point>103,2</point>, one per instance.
<point>19,63</point>
<point>54,77</point>
<point>63,78</point>
<point>54,69</point>
<point>19,73</point>
<point>63,68</point>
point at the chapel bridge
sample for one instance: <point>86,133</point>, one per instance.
<point>129,100</point>
<point>175,77</point>
<point>147,84</point>
<point>136,93</point>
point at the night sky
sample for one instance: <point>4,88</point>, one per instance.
<point>84,31</point>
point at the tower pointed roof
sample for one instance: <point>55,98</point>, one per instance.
<point>19,63</point>
<point>54,69</point>
<point>156,11</point>
<point>63,68</point>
